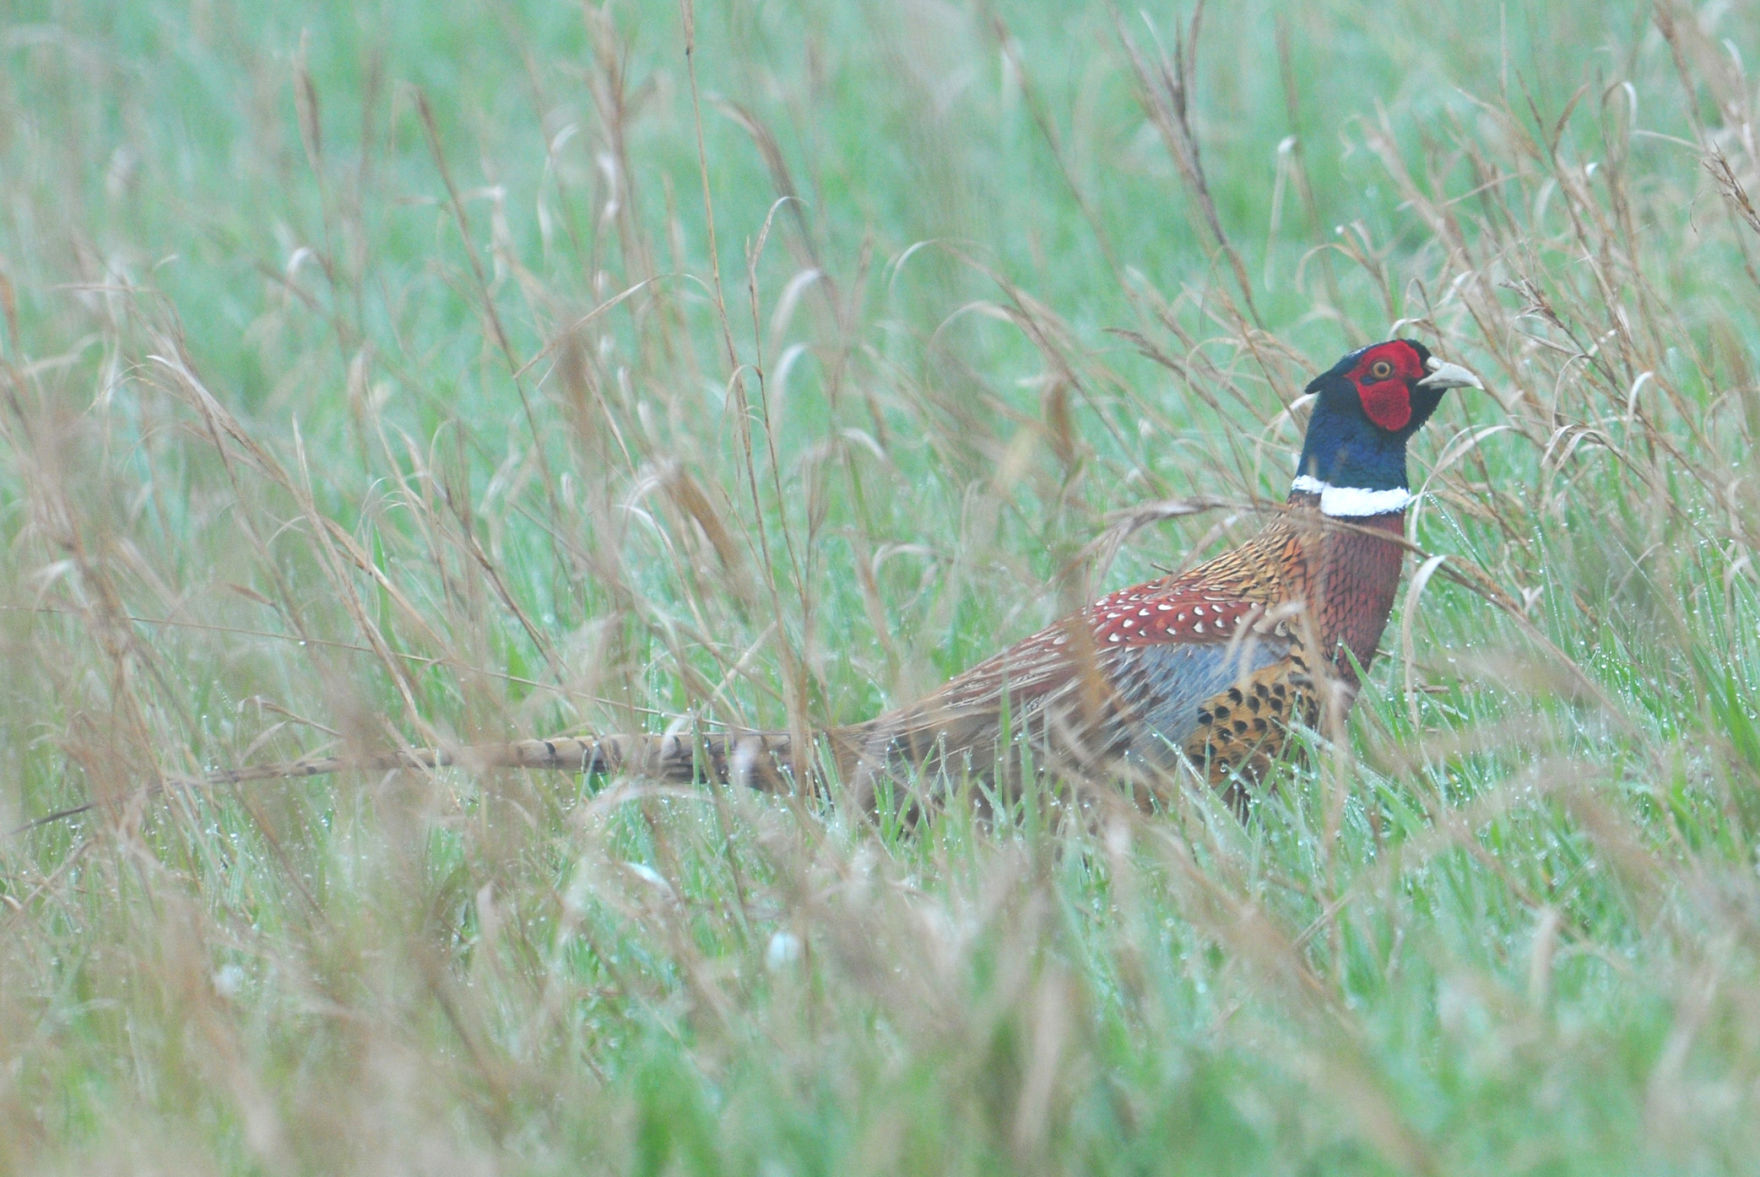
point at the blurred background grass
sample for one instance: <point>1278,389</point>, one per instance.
<point>410,374</point>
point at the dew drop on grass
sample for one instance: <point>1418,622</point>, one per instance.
<point>784,949</point>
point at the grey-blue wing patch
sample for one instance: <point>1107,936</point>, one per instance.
<point>1166,684</point>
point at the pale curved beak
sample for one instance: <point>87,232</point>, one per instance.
<point>1447,375</point>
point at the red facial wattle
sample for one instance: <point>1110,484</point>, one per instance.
<point>1388,403</point>
<point>1383,377</point>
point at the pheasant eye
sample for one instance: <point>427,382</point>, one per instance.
<point>1381,369</point>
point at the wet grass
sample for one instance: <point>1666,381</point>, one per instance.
<point>391,377</point>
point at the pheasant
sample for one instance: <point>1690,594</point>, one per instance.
<point>1213,667</point>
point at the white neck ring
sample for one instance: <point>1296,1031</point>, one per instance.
<point>1352,502</point>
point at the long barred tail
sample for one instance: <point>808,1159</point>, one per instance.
<point>855,762</point>
<point>762,760</point>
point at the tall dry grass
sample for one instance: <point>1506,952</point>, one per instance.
<point>364,390</point>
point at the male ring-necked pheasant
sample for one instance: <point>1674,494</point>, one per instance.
<point>1211,666</point>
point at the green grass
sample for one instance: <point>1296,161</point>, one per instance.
<point>376,377</point>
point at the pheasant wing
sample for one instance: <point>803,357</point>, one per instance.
<point>1130,673</point>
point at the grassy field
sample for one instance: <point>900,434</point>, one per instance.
<point>397,374</point>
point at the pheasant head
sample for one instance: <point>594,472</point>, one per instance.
<point>1366,407</point>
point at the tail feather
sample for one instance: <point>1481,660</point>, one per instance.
<point>762,760</point>
<point>918,749</point>
<point>757,758</point>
